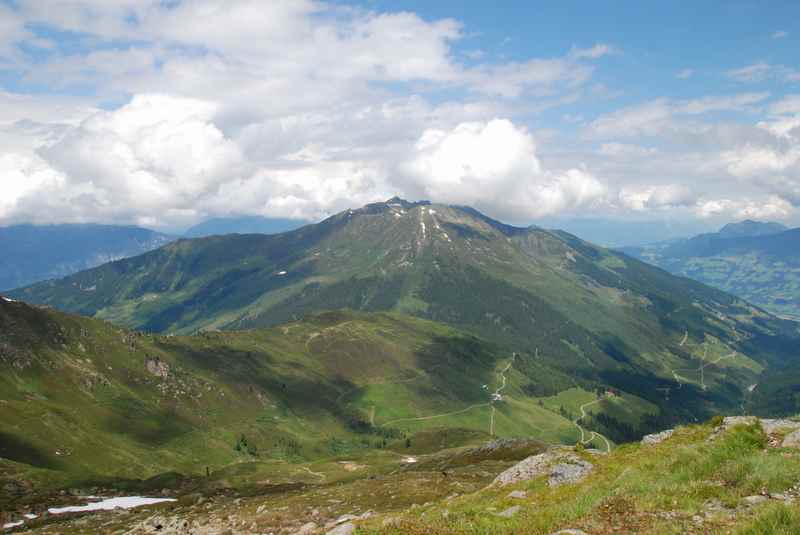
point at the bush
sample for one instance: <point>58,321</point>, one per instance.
<point>716,421</point>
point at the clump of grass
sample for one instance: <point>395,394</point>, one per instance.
<point>716,421</point>
<point>775,519</point>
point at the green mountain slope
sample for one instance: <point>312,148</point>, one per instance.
<point>592,318</point>
<point>759,262</point>
<point>81,398</point>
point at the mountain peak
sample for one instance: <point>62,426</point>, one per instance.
<point>400,202</point>
<point>750,228</point>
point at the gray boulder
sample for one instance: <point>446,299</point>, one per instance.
<point>561,466</point>
<point>657,438</point>
<point>307,529</point>
<point>571,470</point>
<point>511,511</point>
<point>792,440</point>
<point>771,426</point>
<point>343,529</point>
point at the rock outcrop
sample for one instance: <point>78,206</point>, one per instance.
<point>792,440</point>
<point>656,438</point>
<point>771,426</point>
<point>156,366</point>
<point>560,465</point>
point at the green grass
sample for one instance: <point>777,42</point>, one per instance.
<point>648,489</point>
<point>776,519</point>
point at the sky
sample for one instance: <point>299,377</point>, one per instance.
<point>163,113</point>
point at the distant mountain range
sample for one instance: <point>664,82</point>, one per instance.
<point>31,253</point>
<point>622,233</point>
<point>579,316</point>
<point>243,225</point>
<point>759,262</point>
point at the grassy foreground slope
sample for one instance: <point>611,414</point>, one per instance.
<point>701,480</point>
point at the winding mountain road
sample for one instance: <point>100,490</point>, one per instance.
<point>503,382</point>
<point>593,434</point>
<point>701,368</point>
<point>421,418</point>
<point>496,396</point>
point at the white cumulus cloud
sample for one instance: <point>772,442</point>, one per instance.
<point>659,197</point>
<point>493,165</point>
<point>769,208</point>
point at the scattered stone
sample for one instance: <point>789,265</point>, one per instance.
<point>341,519</point>
<point>307,529</point>
<point>343,529</point>
<point>754,500</point>
<point>657,438</point>
<point>518,494</point>
<point>569,531</point>
<point>390,521</point>
<point>511,511</point>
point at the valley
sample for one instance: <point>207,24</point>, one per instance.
<point>758,262</point>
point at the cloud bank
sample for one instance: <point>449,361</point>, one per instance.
<point>165,113</point>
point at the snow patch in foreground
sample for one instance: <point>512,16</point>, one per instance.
<point>126,502</point>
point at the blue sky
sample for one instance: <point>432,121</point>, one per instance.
<point>656,40</point>
<point>166,113</point>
